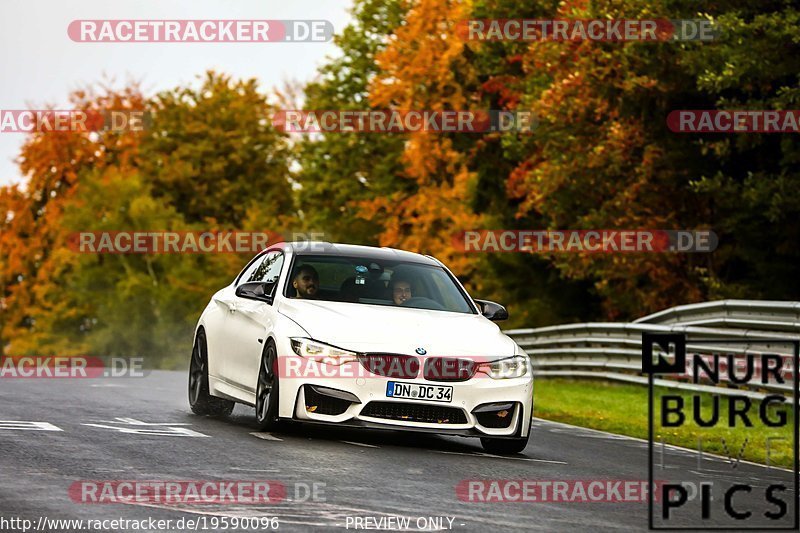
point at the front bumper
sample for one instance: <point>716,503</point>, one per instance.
<point>480,407</point>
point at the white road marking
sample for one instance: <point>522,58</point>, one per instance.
<point>160,431</point>
<point>454,453</point>
<point>12,425</point>
<point>266,436</point>
<point>134,422</point>
<point>359,444</point>
<point>480,454</point>
<point>615,436</point>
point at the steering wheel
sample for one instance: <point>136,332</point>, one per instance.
<point>420,302</point>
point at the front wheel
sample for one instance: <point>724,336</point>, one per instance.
<point>504,446</point>
<point>267,389</point>
<point>200,401</point>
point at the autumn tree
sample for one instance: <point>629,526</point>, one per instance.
<point>338,170</point>
<point>36,318</point>
<point>455,181</point>
<point>604,158</point>
<point>57,300</point>
<point>213,152</point>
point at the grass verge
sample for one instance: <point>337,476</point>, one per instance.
<point>622,408</point>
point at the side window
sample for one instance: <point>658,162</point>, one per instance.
<point>244,276</point>
<point>269,270</point>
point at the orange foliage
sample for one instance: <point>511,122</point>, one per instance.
<point>33,235</point>
<point>422,69</point>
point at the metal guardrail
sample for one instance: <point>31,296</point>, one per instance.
<point>764,315</point>
<point>613,351</point>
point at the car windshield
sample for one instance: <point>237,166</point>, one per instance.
<point>376,282</point>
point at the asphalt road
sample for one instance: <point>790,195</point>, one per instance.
<point>371,475</point>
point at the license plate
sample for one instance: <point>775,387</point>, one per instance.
<point>417,391</point>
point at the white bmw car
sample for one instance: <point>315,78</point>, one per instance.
<point>361,337</point>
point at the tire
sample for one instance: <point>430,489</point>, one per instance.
<point>267,390</point>
<point>200,401</point>
<point>504,446</point>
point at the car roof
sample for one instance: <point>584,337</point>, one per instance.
<point>302,248</point>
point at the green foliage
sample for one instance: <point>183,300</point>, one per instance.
<point>340,169</point>
<point>751,182</point>
<point>212,151</point>
<point>135,303</point>
<point>212,161</point>
<point>621,408</point>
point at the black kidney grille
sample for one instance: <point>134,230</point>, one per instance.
<point>391,365</point>
<point>449,369</point>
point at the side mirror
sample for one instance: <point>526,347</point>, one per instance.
<point>255,290</point>
<point>493,311</point>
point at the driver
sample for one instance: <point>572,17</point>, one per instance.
<point>306,282</point>
<point>401,290</point>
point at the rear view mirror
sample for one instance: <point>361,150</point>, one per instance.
<point>255,290</point>
<point>492,310</point>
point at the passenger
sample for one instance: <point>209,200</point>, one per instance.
<point>306,282</point>
<point>401,290</point>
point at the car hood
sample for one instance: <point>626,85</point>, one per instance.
<point>376,328</point>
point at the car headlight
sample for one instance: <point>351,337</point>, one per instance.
<point>321,352</point>
<point>510,367</point>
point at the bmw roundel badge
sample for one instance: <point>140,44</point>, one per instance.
<point>421,351</point>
